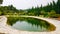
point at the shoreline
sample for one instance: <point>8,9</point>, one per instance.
<point>9,30</point>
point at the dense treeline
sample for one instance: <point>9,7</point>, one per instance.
<point>7,10</point>
<point>51,10</point>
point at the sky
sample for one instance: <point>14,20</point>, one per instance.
<point>25,4</point>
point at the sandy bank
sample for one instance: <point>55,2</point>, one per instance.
<point>4,28</point>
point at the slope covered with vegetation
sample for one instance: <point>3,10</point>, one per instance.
<point>51,10</point>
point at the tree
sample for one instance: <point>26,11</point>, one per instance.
<point>58,6</point>
<point>1,1</point>
<point>54,3</point>
<point>52,13</point>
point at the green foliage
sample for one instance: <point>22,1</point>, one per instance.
<point>1,1</point>
<point>0,12</point>
<point>52,8</point>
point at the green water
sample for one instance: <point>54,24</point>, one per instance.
<point>30,24</point>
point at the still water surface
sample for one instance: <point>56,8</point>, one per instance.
<point>30,24</point>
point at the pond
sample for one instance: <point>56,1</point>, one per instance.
<point>30,24</point>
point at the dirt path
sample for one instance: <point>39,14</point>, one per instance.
<point>4,28</point>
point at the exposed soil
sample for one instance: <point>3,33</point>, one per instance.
<point>58,18</point>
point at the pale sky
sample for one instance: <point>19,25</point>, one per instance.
<point>25,4</point>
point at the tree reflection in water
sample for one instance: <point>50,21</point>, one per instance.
<point>33,22</point>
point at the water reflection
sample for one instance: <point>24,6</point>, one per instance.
<point>26,26</point>
<point>30,24</point>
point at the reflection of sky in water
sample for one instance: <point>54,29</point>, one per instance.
<point>23,25</point>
